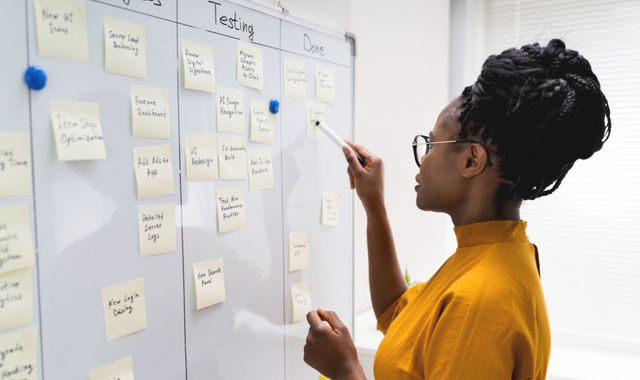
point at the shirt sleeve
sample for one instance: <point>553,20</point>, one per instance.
<point>392,312</point>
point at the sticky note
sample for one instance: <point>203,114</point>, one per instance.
<point>197,67</point>
<point>262,123</point>
<point>300,300</point>
<point>18,358</point>
<point>124,309</point>
<point>150,112</point>
<point>230,205</point>
<point>325,84</point>
<point>77,131</point>
<point>298,251</point>
<point>202,157</point>
<point>249,66</point>
<point>230,110</point>
<point>15,164</point>
<point>61,29</point>
<point>232,157</point>
<point>16,244</point>
<point>209,282</point>
<point>260,169</point>
<point>315,112</point>
<point>157,228</point>
<point>295,80</point>
<point>16,299</point>
<point>118,370</point>
<point>330,207</point>
<point>154,173</point>
<point>125,48</point>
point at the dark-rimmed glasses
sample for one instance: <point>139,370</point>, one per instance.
<point>422,145</point>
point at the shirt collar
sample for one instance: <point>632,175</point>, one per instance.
<point>491,232</point>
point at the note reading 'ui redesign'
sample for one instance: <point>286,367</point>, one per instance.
<point>16,245</point>
<point>157,228</point>
<point>125,48</point>
<point>150,112</point>
<point>202,157</point>
<point>154,173</point>
<point>119,370</point>
<point>230,110</point>
<point>230,205</point>
<point>61,28</point>
<point>330,207</point>
<point>325,84</point>
<point>197,67</point>
<point>16,299</point>
<point>298,251</point>
<point>209,282</point>
<point>260,169</point>
<point>262,123</point>
<point>300,300</point>
<point>249,67</point>
<point>315,112</point>
<point>15,164</point>
<point>77,131</point>
<point>232,157</point>
<point>295,80</point>
<point>18,359</point>
<point>124,309</point>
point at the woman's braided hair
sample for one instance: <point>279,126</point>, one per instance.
<point>541,108</point>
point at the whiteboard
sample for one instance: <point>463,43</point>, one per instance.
<point>84,213</point>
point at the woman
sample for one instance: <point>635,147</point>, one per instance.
<point>511,136</point>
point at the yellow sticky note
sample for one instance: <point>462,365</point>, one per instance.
<point>295,80</point>
<point>232,157</point>
<point>262,123</point>
<point>202,158</point>
<point>15,164</point>
<point>315,112</point>
<point>125,48</point>
<point>119,370</point>
<point>260,169</point>
<point>157,229</point>
<point>230,205</point>
<point>230,110</point>
<point>77,131</point>
<point>325,84</point>
<point>150,112</point>
<point>198,67</point>
<point>61,28</point>
<point>16,299</point>
<point>298,251</point>
<point>330,207</point>
<point>300,300</point>
<point>209,282</point>
<point>154,172</point>
<point>124,309</point>
<point>16,245</point>
<point>249,66</point>
<point>18,355</point>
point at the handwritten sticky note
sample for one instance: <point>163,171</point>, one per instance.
<point>295,80</point>
<point>249,66</point>
<point>124,309</point>
<point>315,112</point>
<point>150,112</point>
<point>209,282</point>
<point>230,110</point>
<point>18,355</point>
<point>61,29</point>
<point>262,123</point>
<point>330,207</point>
<point>197,67</point>
<point>125,48</point>
<point>298,251</point>
<point>202,158</point>
<point>118,370</point>
<point>16,245</point>
<point>231,215</point>
<point>232,157</point>
<point>260,169</point>
<point>15,164</point>
<point>154,172</point>
<point>16,299</point>
<point>77,131</point>
<point>157,228</point>
<point>325,84</point>
<point>300,300</point>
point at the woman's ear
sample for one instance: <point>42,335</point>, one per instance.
<point>475,160</point>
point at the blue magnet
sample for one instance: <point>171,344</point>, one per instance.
<point>274,106</point>
<point>35,77</point>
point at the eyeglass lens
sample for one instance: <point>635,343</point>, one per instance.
<point>421,148</point>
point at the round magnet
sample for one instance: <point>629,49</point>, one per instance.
<point>35,77</point>
<point>274,106</point>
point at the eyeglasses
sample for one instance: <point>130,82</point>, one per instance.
<point>422,145</point>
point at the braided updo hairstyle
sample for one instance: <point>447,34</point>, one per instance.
<point>541,109</point>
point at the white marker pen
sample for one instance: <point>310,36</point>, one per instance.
<point>336,139</point>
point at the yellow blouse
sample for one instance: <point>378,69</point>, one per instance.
<point>481,316</point>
